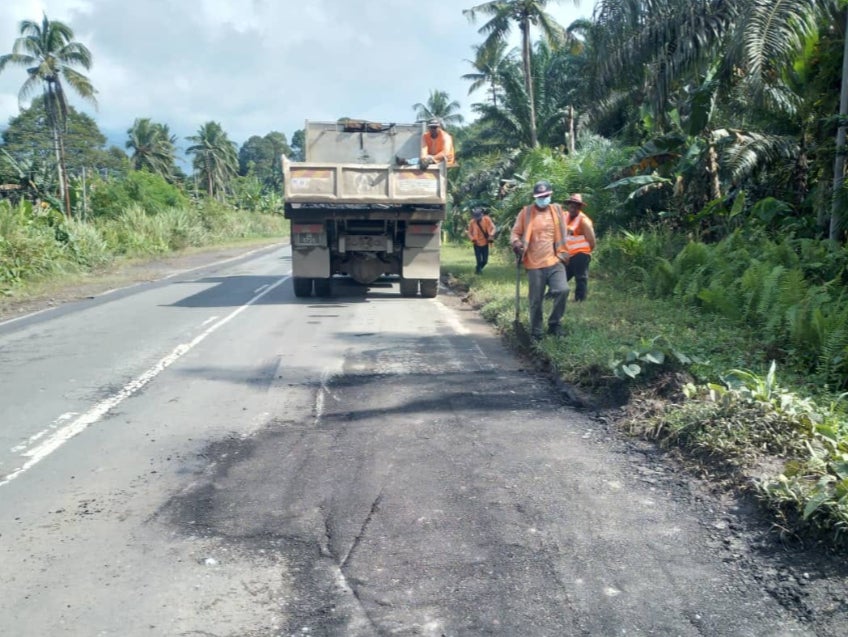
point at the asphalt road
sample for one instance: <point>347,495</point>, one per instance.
<point>208,455</point>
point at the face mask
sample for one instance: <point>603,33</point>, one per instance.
<point>543,202</point>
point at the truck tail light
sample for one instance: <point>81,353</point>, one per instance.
<point>308,234</point>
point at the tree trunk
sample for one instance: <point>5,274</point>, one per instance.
<point>66,187</point>
<point>712,172</point>
<point>839,162</point>
<point>571,146</point>
<point>60,172</point>
<point>52,108</point>
<point>528,80</point>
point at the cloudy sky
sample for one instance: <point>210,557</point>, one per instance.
<point>256,66</point>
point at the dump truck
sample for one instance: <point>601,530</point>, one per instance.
<point>355,213</point>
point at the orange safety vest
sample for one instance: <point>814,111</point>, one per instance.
<point>561,230</point>
<point>577,243</point>
<point>441,144</point>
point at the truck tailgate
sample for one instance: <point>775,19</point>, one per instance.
<point>312,182</point>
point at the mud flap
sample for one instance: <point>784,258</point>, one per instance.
<point>421,251</point>
<point>312,262</point>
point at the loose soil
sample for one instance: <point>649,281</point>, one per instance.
<point>807,577</point>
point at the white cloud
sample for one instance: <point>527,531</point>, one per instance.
<point>259,65</point>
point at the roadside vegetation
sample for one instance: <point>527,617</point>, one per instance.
<point>707,138</point>
<point>70,206</point>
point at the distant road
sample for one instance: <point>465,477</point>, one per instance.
<point>209,455</point>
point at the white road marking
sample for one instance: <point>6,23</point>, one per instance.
<point>452,319</point>
<point>173,274</point>
<point>43,432</point>
<point>326,375</point>
<point>60,437</point>
<point>208,321</point>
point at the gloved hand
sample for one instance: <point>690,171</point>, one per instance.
<point>426,161</point>
<point>518,249</point>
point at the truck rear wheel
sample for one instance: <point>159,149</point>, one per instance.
<point>408,287</point>
<point>429,288</point>
<point>322,287</point>
<point>302,286</point>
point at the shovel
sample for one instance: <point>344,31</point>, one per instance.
<point>518,327</point>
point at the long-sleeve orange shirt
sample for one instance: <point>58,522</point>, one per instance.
<point>475,232</point>
<point>544,229</point>
<point>439,147</point>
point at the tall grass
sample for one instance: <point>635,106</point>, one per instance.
<point>38,243</point>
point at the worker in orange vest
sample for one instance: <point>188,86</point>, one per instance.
<point>481,231</point>
<point>580,243</point>
<point>539,240</point>
<point>436,146</point>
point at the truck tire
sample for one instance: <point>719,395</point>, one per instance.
<point>408,287</point>
<point>322,287</point>
<point>302,286</point>
<point>429,288</point>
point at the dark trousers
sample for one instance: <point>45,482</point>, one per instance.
<point>481,253</point>
<point>552,278</point>
<point>578,269</point>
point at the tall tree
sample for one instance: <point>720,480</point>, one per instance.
<point>487,62</point>
<point>215,159</point>
<point>440,105</point>
<point>153,147</point>
<point>261,157</point>
<point>509,122</point>
<point>523,13</point>
<point>298,145</point>
<point>29,139</point>
<point>836,221</point>
<point>49,54</point>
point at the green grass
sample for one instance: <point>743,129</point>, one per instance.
<point>598,329</point>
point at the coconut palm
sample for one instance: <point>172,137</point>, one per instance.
<point>440,105</point>
<point>215,158</point>
<point>49,54</point>
<point>488,60</point>
<point>524,13</point>
<point>153,147</point>
<point>554,73</point>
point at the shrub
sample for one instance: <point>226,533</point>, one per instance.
<point>152,193</point>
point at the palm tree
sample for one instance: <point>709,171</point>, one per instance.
<point>48,53</point>
<point>440,105</point>
<point>658,51</point>
<point>524,13</point>
<point>215,158</point>
<point>554,86</point>
<point>666,43</point>
<point>153,147</point>
<point>487,62</point>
